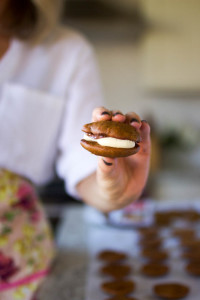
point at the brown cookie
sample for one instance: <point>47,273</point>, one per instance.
<point>191,248</point>
<point>147,235</point>
<point>103,129</point>
<point>111,256</point>
<point>118,287</point>
<point>171,290</point>
<point>192,215</point>
<point>191,256</point>
<point>184,233</point>
<point>155,256</point>
<point>193,268</point>
<point>185,240</point>
<point>148,231</point>
<point>154,270</point>
<point>150,243</point>
<point>151,249</point>
<point>116,271</point>
<point>191,243</point>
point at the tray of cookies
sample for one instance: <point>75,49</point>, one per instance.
<point>159,261</point>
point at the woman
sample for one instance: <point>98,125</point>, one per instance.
<point>49,88</point>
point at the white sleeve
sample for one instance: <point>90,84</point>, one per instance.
<point>84,94</point>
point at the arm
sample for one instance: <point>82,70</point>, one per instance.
<point>106,187</point>
<point>83,94</point>
<point>118,182</point>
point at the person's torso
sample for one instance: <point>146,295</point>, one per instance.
<point>34,85</point>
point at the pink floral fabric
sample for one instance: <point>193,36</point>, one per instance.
<point>26,244</point>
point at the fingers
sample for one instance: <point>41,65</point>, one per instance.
<point>101,114</point>
<point>133,119</point>
<point>118,116</point>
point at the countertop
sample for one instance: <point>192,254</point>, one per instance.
<point>77,247</point>
<point>68,275</point>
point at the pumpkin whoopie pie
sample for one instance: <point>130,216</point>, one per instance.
<point>110,139</point>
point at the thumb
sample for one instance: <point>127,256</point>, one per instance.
<point>106,165</point>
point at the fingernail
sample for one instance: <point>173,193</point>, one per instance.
<point>117,113</point>
<point>144,121</point>
<point>107,163</point>
<point>134,120</point>
<point>105,113</point>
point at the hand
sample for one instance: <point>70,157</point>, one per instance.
<point>122,180</point>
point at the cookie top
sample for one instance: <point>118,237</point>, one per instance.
<point>118,287</point>
<point>171,290</point>
<point>113,129</point>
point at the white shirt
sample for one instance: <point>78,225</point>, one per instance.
<point>47,93</point>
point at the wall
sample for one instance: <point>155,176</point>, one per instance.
<point>121,69</point>
<point>130,84</point>
<point>172,61</point>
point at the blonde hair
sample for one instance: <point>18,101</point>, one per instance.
<point>31,20</point>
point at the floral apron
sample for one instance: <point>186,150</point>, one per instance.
<point>26,244</point>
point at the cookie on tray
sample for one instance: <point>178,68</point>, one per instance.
<point>191,256</point>
<point>150,242</point>
<point>184,233</point>
<point>155,256</point>
<point>118,287</point>
<point>154,270</point>
<point>171,290</point>
<point>111,256</point>
<point>193,268</point>
<point>191,243</point>
<point>148,231</point>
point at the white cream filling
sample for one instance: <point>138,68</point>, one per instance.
<point>111,142</point>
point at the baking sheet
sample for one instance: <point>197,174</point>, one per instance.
<point>126,240</point>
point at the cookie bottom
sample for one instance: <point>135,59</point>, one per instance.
<point>112,152</point>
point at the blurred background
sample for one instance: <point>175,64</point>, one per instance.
<point>149,62</point>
